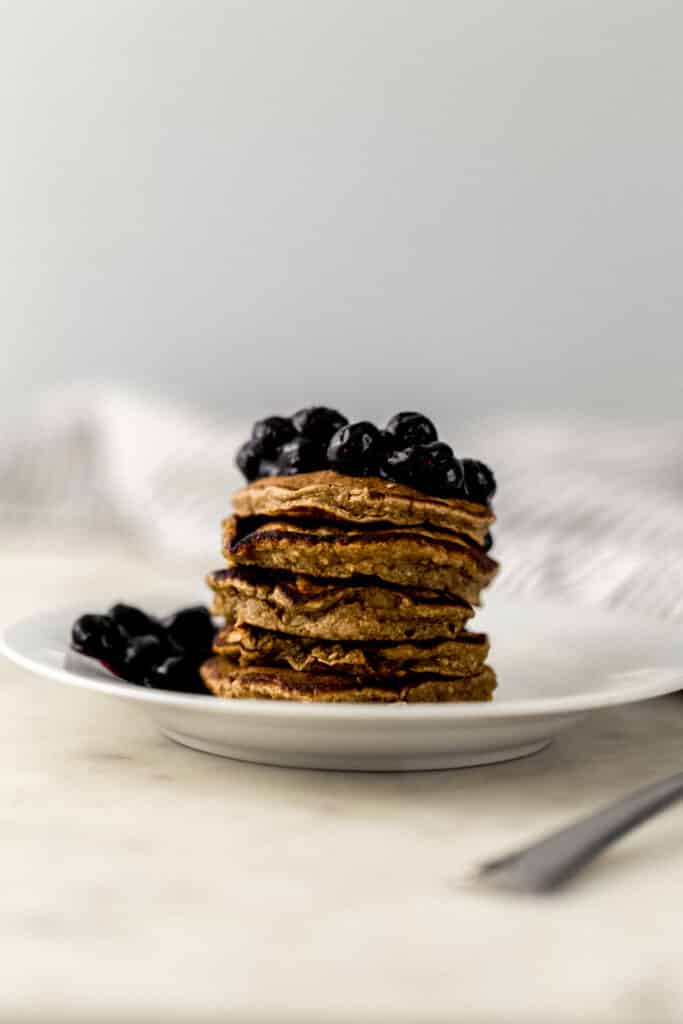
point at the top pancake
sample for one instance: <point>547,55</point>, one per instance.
<point>360,501</point>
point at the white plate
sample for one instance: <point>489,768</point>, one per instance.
<point>554,665</point>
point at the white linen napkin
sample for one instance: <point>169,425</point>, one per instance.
<point>587,510</point>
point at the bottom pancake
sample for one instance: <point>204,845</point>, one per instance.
<point>225,678</point>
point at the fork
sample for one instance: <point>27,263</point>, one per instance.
<point>550,862</point>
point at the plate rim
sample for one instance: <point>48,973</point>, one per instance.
<point>668,680</point>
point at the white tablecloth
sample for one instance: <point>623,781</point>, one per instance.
<point>144,881</point>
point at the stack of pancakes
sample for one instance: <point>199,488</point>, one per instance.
<point>343,588</point>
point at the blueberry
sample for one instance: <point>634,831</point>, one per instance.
<point>356,449</point>
<point>432,468</point>
<point>411,428</point>
<point>318,423</point>
<point>389,443</point>
<point>270,434</point>
<point>488,541</point>
<point>98,636</point>
<point>190,630</point>
<point>248,460</point>
<point>268,468</point>
<point>141,656</point>
<point>403,466</point>
<point>301,456</point>
<point>133,621</point>
<point>178,673</point>
<point>479,482</point>
<point>442,473</point>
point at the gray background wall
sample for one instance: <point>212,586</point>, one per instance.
<point>383,203</point>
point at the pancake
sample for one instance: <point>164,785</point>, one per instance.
<point>332,497</point>
<point>463,656</point>
<point>333,609</point>
<point>224,678</point>
<point>408,556</point>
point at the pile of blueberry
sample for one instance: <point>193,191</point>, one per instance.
<point>407,451</point>
<point>161,653</point>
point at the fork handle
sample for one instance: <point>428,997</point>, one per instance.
<point>545,865</point>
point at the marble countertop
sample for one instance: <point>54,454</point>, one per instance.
<point>144,881</point>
